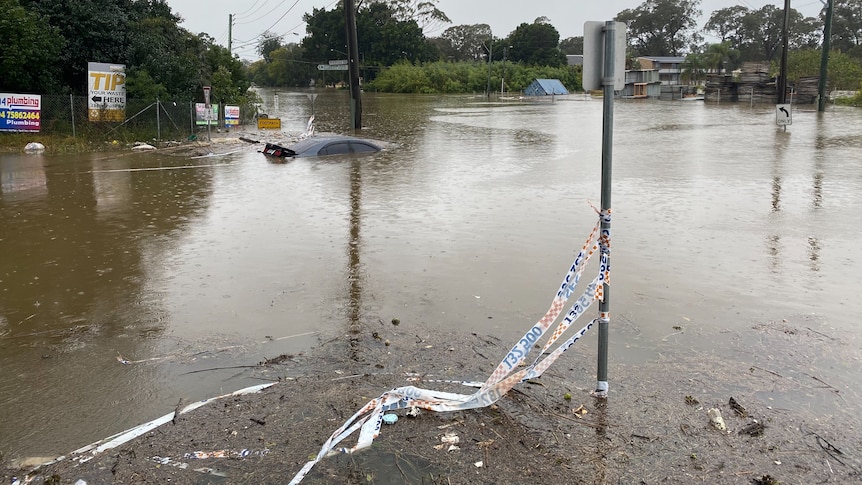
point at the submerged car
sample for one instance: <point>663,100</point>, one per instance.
<point>319,146</point>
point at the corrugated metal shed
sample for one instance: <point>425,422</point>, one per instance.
<point>545,87</point>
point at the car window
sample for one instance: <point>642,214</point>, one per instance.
<point>335,148</point>
<point>362,147</point>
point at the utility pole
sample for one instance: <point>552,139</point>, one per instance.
<point>353,64</point>
<point>490,54</point>
<point>824,57</point>
<point>782,77</point>
<point>229,31</point>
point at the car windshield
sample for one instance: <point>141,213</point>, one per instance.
<point>305,145</point>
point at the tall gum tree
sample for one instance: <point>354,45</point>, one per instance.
<point>662,27</point>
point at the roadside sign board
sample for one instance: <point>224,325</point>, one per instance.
<point>332,67</point>
<point>231,115</point>
<point>20,112</point>
<point>338,62</point>
<point>106,95</point>
<point>269,123</point>
<point>204,115</point>
<point>594,55</point>
<point>783,115</point>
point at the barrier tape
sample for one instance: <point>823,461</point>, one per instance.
<point>369,418</point>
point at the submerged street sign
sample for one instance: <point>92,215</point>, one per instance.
<point>332,67</point>
<point>783,116</point>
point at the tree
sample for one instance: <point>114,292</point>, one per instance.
<point>536,44</point>
<point>756,34</point>
<point>694,67</point>
<point>662,27</point>
<point>844,72</point>
<point>158,51</point>
<point>464,42</point>
<point>30,51</point>
<point>221,70</point>
<point>719,57</point>
<point>94,31</point>
<point>729,24</point>
<point>424,12</point>
<point>268,43</point>
<point>141,85</point>
<point>572,45</point>
<point>847,26</point>
<point>383,39</point>
<point>285,68</point>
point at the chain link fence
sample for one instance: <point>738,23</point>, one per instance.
<point>144,120</point>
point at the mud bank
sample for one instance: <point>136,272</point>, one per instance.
<point>653,428</point>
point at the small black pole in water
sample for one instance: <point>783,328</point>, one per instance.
<point>607,157</point>
<point>782,77</point>
<point>352,64</point>
<point>824,58</point>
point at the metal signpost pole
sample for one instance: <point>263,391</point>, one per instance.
<point>207,110</point>
<point>607,157</point>
<point>158,121</point>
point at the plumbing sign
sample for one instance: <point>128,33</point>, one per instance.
<point>20,112</point>
<point>106,98</point>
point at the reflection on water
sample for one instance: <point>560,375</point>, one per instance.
<point>467,221</point>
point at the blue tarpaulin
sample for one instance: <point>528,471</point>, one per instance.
<point>545,87</point>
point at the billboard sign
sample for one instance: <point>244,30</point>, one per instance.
<point>231,115</point>
<point>204,116</point>
<point>106,96</point>
<point>20,112</point>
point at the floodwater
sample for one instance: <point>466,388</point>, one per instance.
<point>467,221</point>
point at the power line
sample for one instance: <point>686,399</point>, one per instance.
<point>249,8</point>
<point>264,15</point>
<point>292,30</point>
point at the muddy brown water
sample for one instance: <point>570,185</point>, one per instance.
<point>467,221</point>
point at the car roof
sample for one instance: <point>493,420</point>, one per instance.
<point>317,142</point>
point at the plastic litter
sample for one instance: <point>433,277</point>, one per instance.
<point>34,147</point>
<point>716,420</point>
<point>390,418</point>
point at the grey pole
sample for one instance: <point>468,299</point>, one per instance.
<point>607,157</point>
<point>490,54</point>
<point>72,110</point>
<point>158,121</point>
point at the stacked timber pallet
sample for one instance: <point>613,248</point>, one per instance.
<point>753,85</point>
<point>754,73</point>
<point>718,87</point>
<point>806,90</point>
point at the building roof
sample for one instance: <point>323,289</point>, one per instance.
<point>664,59</point>
<point>575,59</point>
<point>545,87</point>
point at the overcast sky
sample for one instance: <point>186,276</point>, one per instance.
<point>284,17</point>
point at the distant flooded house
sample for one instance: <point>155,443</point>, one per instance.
<point>661,78</point>
<point>546,87</point>
<point>669,68</point>
<point>642,83</point>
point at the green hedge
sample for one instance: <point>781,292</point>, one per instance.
<point>468,77</point>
